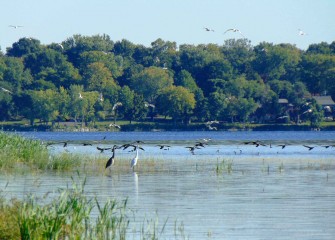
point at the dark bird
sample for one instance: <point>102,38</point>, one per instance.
<point>282,146</point>
<point>192,148</point>
<point>127,145</point>
<point>87,144</point>
<point>164,147</point>
<point>309,147</point>
<point>256,143</point>
<point>102,149</point>
<point>111,160</point>
<point>208,29</point>
<point>200,144</point>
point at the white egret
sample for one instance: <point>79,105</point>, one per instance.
<point>134,161</point>
<point>101,98</point>
<point>80,96</point>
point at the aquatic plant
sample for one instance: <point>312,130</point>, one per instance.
<point>16,150</point>
<point>224,166</point>
<point>70,216</point>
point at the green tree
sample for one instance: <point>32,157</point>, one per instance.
<point>177,102</point>
<point>150,82</point>
<point>276,61</point>
<point>23,47</point>
<point>52,66</point>
<point>318,72</point>
<point>97,77</point>
<point>45,105</point>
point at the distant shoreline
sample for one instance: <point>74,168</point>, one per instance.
<point>157,127</point>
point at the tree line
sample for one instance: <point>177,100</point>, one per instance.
<point>92,78</point>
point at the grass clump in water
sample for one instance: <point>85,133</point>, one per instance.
<point>16,150</point>
<point>224,166</point>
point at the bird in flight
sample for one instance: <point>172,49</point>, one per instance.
<point>208,29</point>
<point>5,90</point>
<point>61,46</point>
<point>234,30</point>
<point>15,26</point>
<point>301,33</point>
<point>114,125</point>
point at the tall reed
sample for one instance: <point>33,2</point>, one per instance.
<point>16,150</point>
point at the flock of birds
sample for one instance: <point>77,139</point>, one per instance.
<point>235,30</point>
<point>199,144</point>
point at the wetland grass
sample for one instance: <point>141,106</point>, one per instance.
<point>16,150</point>
<point>224,166</point>
<point>73,215</point>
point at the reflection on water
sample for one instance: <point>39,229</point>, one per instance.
<point>269,193</point>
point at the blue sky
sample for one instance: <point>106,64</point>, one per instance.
<point>181,21</point>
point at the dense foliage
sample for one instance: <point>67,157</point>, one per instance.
<point>83,77</point>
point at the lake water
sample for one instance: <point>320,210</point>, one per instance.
<point>269,193</point>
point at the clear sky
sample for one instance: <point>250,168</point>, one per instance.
<point>181,21</point>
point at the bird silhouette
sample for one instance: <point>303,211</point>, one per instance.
<point>103,149</point>
<point>164,147</point>
<point>208,29</point>
<point>309,147</point>
<point>111,160</point>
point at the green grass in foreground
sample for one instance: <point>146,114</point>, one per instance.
<point>69,216</point>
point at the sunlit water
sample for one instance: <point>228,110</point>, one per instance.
<point>270,193</point>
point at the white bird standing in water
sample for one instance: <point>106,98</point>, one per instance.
<point>134,161</point>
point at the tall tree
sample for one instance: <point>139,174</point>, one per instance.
<point>150,82</point>
<point>177,102</point>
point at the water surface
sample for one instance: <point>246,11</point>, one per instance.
<point>269,193</point>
